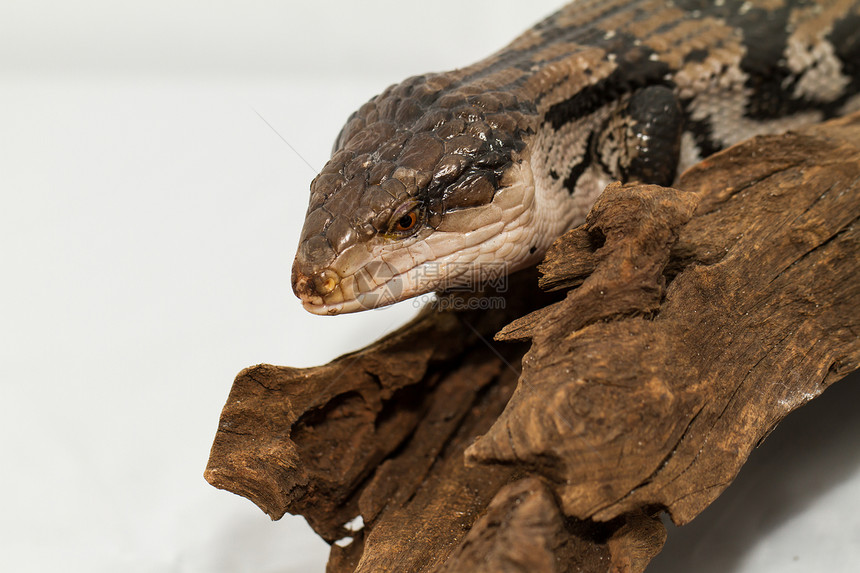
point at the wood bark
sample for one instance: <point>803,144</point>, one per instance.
<point>549,435</point>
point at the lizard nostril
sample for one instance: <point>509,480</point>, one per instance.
<point>313,285</point>
<point>317,285</point>
<point>325,282</point>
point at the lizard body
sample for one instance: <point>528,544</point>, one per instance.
<point>440,179</point>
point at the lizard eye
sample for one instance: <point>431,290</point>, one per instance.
<point>405,220</point>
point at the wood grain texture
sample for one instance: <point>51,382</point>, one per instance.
<point>685,324</point>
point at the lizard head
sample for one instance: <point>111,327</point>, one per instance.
<point>427,189</point>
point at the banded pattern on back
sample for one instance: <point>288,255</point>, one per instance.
<point>491,162</point>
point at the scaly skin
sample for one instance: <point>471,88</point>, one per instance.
<point>449,179</point>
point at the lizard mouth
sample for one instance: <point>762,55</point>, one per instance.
<point>376,298</point>
<point>331,309</point>
<point>375,284</point>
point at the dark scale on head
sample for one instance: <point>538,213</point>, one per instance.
<point>419,149</point>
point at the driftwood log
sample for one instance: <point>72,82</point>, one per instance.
<point>549,435</point>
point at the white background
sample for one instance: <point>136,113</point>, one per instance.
<point>148,222</point>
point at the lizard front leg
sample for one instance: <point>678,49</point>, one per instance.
<point>641,141</point>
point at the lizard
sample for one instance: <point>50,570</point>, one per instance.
<point>439,180</point>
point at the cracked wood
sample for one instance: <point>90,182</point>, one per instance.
<point>684,325</point>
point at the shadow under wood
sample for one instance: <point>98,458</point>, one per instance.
<point>694,321</point>
<point>813,451</point>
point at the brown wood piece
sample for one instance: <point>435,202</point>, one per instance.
<point>686,324</point>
